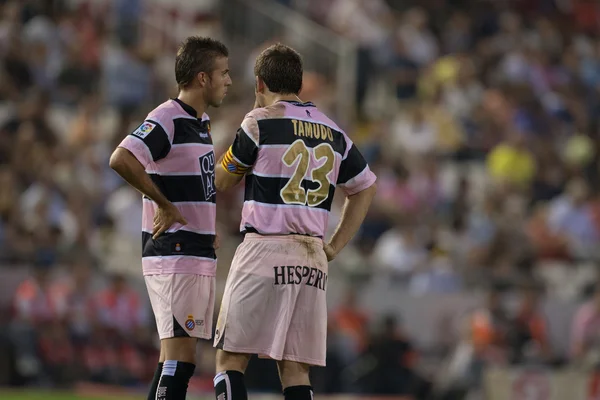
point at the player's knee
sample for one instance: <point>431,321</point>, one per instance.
<point>293,373</point>
<point>227,361</point>
<point>179,349</point>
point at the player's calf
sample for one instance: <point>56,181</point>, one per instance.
<point>295,380</point>
<point>229,381</point>
<point>155,381</point>
<point>177,369</point>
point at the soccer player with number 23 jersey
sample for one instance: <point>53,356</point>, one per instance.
<point>292,157</point>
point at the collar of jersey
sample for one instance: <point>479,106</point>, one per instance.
<point>299,104</point>
<point>186,107</point>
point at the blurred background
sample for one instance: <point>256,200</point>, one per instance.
<point>475,274</point>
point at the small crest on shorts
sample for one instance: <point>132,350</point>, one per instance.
<point>190,324</point>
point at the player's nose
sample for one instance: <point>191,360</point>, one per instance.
<point>228,82</point>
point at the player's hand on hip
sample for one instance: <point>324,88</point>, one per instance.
<point>165,218</point>
<point>217,242</point>
<point>330,251</point>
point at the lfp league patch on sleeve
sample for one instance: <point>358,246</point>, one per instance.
<point>144,129</point>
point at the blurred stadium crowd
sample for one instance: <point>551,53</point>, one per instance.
<point>480,119</point>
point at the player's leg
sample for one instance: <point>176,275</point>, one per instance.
<point>230,366</point>
<point>306,338</point>
<point>157,373</point>
<point>295,380</point>
<point>252,318</point>
<point>178,367</point>
<point>229,380</point>
<point>183,306</point>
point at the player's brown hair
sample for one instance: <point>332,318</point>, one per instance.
<point>280,67</point>
<point>196,54</point>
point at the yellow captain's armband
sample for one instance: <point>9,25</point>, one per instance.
<point>233,165</point>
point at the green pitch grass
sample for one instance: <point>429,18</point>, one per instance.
<point>57,395</point>
<point>51,395</point>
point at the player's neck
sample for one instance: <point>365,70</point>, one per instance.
<point>193,100</point>
<point>285,97</point>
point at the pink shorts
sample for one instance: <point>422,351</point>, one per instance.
<point>274,303</point>
<point>183,304</point>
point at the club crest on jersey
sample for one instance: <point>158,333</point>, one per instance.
<point>144,129</point>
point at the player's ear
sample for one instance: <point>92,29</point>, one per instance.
<point>259,86</point>
<point>202,78</point>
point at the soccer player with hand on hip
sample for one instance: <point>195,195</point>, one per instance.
<point>169,158</point>
<point>292,157</point>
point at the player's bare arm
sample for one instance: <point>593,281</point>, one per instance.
<point>129,168</point>
<point>353,214</point>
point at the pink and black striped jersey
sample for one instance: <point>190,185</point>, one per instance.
<point>293,156</point>
<point>176,149</point>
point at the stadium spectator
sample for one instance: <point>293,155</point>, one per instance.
<point>585,332</point>
<point>120,309</point>
<point>529,333</point>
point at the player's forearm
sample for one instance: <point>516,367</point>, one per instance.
<point>129,168</point>
<point>353,214</point>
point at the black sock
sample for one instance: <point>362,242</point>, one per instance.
<point>154,385</point>
<point>232,380</point>
<point>303,392</point>
<point>174,380</point>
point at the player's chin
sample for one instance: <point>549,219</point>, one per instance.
<point>217,102</point>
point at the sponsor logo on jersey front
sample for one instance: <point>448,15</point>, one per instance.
<point>207,166</point>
